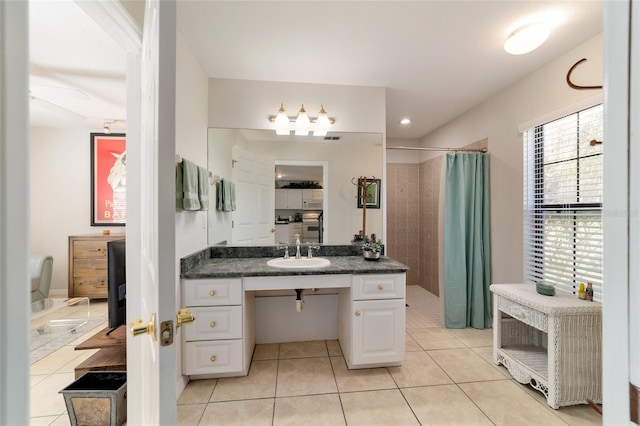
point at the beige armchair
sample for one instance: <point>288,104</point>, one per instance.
<point>41,272</point>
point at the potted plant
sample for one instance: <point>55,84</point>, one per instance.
<point>371,247</point>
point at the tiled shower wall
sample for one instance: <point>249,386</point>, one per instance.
<point>430,173</point>
<point>413,192</point>
<point>403,217</point>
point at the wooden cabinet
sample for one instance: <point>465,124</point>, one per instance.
<point>219,342</point>
<point>88,265</point>
<point>553,343</point>
<point>371,320</point>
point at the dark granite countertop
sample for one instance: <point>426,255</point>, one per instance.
<point>226,262</point>
<point>257,266</point>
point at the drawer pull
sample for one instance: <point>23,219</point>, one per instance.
<point>95,249</point>
<point>212,293</point>
<point>380,287</point>
<point>358,313</point>
<point>213,324</point>
<point>213,358</point>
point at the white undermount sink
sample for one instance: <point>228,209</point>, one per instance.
<point>302,263</point>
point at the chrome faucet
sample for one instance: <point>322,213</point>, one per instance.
<point>310,250</point>
<point>297,246</point>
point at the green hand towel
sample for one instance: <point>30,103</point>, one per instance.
<point>220,195</point>
<point>203,188</point>
<point>190,185</point>
<point>232,194</point>
<point>179,193</point>
<point>226,197</point>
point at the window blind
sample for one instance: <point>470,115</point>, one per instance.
<point>563,202</point>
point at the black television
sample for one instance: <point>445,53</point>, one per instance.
<point>116,284</point>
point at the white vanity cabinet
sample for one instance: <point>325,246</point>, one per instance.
<point>221,340</point>
<point>371,320</point>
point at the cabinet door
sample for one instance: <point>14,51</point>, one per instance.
<point>282,234</point>
<point>378,331</point>
<point>294,199</point>
<point>281,198</point>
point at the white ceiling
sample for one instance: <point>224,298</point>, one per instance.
<point>436,59</point>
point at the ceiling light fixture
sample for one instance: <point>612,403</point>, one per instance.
<point>107,126</point>
<point>526,39</point>
<point>405,121</point>
<point>302,124</point>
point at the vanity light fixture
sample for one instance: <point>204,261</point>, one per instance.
<point>526,39</point>
<point>302,124</point>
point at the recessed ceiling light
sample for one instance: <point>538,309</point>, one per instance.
<point>405,121</point>
<point>526,39</point>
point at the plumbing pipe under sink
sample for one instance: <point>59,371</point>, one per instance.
<point>299,301</point>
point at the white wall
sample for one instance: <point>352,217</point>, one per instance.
<point>498,119</point>
<point>61,196</point>
<point>242,104</point>
<point>191,143</point>
<point>403,156</point>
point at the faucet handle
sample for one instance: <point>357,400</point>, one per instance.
<point>310,250</point>
<point>284,247</point>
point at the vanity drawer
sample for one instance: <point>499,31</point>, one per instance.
<point>378,286</point>
<point>211,292</point>
<point>213,357</point>
<point>220,322</point>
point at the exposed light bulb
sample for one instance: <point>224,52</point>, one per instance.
<point>302,123</point>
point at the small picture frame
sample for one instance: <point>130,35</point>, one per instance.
<point>373,193</point>
<point>108,179</point>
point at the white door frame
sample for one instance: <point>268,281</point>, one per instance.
<point>15,215</point>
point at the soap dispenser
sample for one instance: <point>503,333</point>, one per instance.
<point>582,293</point>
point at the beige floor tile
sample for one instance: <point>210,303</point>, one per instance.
<point>333,347</point>
<point>505,403</point>
<point>45,399</point>
<point>254,412</point>
<point>434,338</point>
<point>62,420</point>
<point>71,365</point>
<point>473,337</point>
<point>55,361</point>
<point>88,334</point>
<point>411,345</point>
<point>197,392</point>
<point>444,405</point>
<point>310,410</point>
<point>309,349</point>
<point>486,353</point>
<point>362,379</point>
<point>383,407</point>
<point>259,383</point>
<point>464,365</point>
<point>37,378</point>
<point>573,415</point>
<point>419,369</point>
<point>42,421</point>
<point>305,376</point>
<point>266,351</point>
<point>190,414</point>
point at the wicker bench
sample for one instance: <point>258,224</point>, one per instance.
<point>553,343</point>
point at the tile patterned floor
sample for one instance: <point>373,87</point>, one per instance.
<point>448,378</point>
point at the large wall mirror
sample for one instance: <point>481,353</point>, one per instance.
<point>253,159</point>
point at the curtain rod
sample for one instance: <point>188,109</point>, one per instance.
<point>415,148</point>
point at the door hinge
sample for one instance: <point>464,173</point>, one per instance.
<point>233,163</point>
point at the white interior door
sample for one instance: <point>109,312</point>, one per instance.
<point>14,214</point>
<point>253,219</point>
<point>151,367</point>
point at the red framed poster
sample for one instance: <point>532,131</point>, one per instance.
<point>108,179</point>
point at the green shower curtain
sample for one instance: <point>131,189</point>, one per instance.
<point>466,242</point>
